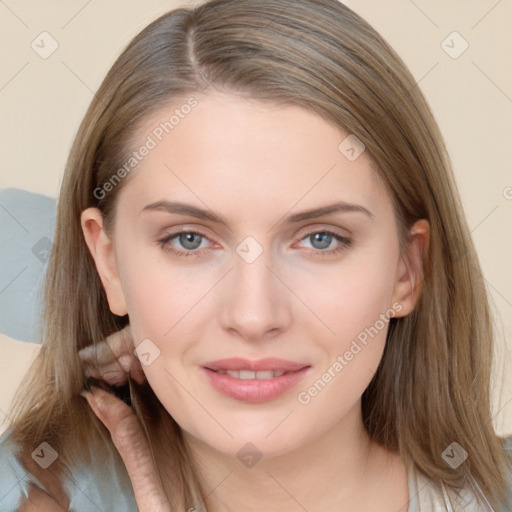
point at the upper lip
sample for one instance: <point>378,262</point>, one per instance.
<point>270,363</point>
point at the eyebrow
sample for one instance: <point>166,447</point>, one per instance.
<point>200,213</point>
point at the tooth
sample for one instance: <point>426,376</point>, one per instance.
<point>268,374</point>
<point>247,374</point>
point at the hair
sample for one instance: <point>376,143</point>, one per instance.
<point>432,386</point>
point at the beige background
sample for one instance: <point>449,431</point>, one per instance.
<point>43,100</point>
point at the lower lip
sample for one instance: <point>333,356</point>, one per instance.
<point>254,390</point>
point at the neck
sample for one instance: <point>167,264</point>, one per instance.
<point>333,471</point>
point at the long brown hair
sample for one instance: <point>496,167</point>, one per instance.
<point>433,384</point>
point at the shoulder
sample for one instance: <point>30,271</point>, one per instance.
<point>22,479</point>
<point>425,496</point>
<point>15,480</point>
<point>26,481</point>
<point>432,498</point>
<point>507,443</point>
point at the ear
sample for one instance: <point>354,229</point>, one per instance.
<point>410,268</point>
<point>102,251</point>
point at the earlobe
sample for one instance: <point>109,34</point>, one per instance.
<point>410,269</point>
<point>102,250</point>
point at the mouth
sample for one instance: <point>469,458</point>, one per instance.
<point>261,366</point>
<point>254,384</point>
<point>249,375</point>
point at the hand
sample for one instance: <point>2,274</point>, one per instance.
<point>113,360</point>
<point>131,443</point>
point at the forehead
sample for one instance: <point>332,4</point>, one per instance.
<point>244,154</point>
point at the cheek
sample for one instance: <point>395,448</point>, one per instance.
<point>352,296</point>
<point>162,303</point>
<point>361,306</point>
<point>357,311</point>
<point>159,292</point>
<point>166,304</point>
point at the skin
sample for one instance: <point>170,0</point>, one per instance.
<point>255,164</point>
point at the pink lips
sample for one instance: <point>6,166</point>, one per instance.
<point>254,390</point>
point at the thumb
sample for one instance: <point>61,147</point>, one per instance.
<point>133,447</point>
<point>118,417</point>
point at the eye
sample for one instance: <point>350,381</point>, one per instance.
<point>322,240</point>
<point>189,240</point>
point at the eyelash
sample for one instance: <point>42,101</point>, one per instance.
<point>164,243</point>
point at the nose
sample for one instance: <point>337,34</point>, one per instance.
<point>257,301</point>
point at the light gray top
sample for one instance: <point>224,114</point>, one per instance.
<point>108,488</point>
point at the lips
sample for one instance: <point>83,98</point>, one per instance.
<point>245,388</point>
<point>270,364</point>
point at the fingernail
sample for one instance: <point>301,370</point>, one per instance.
<point>112,375</point>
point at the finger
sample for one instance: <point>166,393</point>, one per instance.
<point>115,378</point>
<point>112,373</point>
<point>94,370</point>
<point>104,352</point>
<point>108,359</point>
<point>104,356</point>
<point>121,422</point>
<point>117,374</point>
<point>98,354</point>
<point>136,371</point>
<point>121,342</point>
<point>131,365</point>
<point>125,362</point>
<point>130,441</point>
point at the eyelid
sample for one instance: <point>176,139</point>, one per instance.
<point>303,232</point>
<point>186,228</point>
<point>307,230</point>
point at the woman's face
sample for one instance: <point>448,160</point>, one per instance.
<point>265,281</point>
